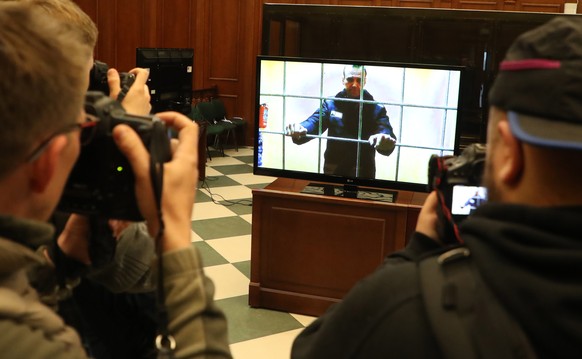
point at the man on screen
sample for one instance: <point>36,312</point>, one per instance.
<point>474,201</point>
<point>356,129</point>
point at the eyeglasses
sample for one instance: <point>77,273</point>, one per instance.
<point>87,129</point>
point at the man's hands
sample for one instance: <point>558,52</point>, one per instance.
<point>74,239</point>
<point>428,222</point>
<point>383,143</point>
<point>117,226</point>
<point>179,183</point>
<point>137,99</point>
<point>295,130</point>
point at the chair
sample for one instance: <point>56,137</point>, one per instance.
<point>211,132</point>
<point>203,111</point>
<point>218,113</point>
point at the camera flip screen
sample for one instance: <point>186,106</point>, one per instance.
<point>467,198</point>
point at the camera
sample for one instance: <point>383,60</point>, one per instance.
<point>98,78</point>
<point>102,182</point>
<point>459,179</point>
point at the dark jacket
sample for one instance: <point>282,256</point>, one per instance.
<point>531,258</point>
<point>341,119</point>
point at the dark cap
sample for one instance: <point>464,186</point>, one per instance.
<point>539,84</point>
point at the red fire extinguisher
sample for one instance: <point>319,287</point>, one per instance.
<point>263,115</point>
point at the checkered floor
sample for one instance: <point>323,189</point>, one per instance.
<point>221,227</point>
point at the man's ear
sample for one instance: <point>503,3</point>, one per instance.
<point>511,160</point>
<point>45,166</point>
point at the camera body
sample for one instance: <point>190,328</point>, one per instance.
<point>459,179</point>
<point>102,182</point>
<point>98,78</point>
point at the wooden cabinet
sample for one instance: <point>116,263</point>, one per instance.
<point>309,250</point>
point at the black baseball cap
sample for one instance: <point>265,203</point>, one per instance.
<point>539,84</point>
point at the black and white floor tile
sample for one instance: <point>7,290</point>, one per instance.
<point>221,229</point>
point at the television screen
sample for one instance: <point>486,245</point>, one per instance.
<point>170,80</point>
<point>371,124</point>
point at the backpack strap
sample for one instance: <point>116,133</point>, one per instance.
<point>467,319</point>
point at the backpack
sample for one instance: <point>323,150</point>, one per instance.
<point>466,318</point>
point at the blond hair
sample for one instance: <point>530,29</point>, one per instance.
<point>43,72</point>
<point>70,14</point>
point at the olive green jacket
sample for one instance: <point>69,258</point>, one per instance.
<point>32,330</point>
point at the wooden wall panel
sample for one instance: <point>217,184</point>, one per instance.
<point>107,42</point>
<point>125,25</point>
<point>418,3</point>
<point>249,48</point>
<point>224,40</point>
<point>89,6</point>
<point>199,26</point>
<point>539,6</point>
<point>120,24</point>
<point>151,29</point>
<point>356,2</point>
<point>176,20</point>
<point>477,4</point>
<point>128,26</point>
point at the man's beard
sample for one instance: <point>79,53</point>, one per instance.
<point>353,92</point>
<point>492,192</point>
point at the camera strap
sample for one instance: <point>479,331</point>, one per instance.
<point>447,228</point>
<point>160,153</point>
<point>449,232</point>
<point>467,318</point>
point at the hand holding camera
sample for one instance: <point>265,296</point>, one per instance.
<point>428,222</point>
<point>179,181</point>
<point>113,176</point>
<point>135,96</point>
<point>102,181</point>
<point>454,183</point>
<point>129,88</point>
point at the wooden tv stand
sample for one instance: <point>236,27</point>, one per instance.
<point>308,250</point>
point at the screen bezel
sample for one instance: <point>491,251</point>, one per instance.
<point>365,182</point>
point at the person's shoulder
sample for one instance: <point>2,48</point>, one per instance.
<point>383,315</point>
<point>24,340</point>
<point>395,281</point>
<point>395,298</point>
<point>390,286</point>
<point>329,104</point>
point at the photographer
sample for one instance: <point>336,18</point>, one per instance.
<point>43,65</point>
<point>520,253</point>
<point>113,306</point>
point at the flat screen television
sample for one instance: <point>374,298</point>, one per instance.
<point>424,103</point>
<point>170,80</point>
<point>476,39</point>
